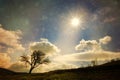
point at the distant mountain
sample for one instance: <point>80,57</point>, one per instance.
<point>108,71</point>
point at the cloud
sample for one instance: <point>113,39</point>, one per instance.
<point>45,46</point>
<point>83,59</point>
<point>105,40</point>
<point>9,43</point>
<point>88,56</point>
<point>92,45</point>
<point>90,50</point>
<point>88,45</point>
<point>11,39</point>
<point>4,60</point>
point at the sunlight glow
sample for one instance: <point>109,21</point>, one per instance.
<point>75,22</point>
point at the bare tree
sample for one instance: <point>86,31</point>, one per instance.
<point>94,62</point>
<point>35,59</point>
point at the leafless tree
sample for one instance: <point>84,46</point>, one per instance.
<point>94,62</point>
<point>35,59</point>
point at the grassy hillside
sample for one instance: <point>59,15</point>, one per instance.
<point>108,71</point>
<point>6,72</point>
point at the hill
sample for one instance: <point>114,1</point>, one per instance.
<point>6,72</point>
<point>108,71</point>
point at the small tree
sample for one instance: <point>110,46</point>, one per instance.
<point>35,60</point>
<point>94,62</point>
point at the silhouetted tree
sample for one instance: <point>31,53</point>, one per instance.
<point>94,62</point>
<point>35,59</point>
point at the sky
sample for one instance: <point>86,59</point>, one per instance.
<point>73,30</point>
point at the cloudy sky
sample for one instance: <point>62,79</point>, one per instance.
<point>73,31</point>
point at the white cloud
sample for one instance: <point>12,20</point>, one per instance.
<point>45,46</point>
<point>88,45</point>
<point>88,56</point>
<point>92,45</point>
<point>105,40</point>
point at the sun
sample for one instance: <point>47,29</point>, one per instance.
<point>75,22</point>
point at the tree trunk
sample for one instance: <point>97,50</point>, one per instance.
<point>31,70</point>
